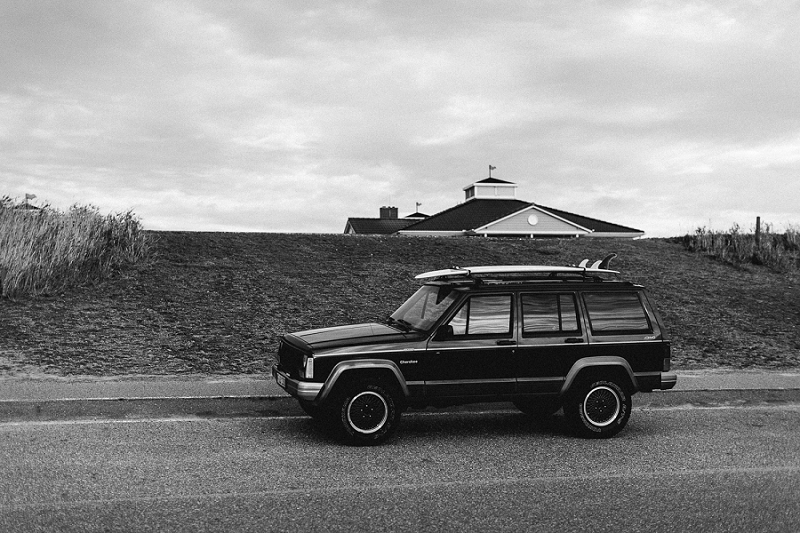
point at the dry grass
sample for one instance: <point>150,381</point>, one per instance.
<point>45,251</point>
<point>780,251</point>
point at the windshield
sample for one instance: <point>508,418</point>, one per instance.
<point>425,307</point>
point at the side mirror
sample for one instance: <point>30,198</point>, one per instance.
<point>443,333</point>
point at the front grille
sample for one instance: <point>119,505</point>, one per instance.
<point>290,359</point>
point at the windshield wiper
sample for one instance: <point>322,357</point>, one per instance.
<point>403,324</point>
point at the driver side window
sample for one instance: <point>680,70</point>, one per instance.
<point>484,315</point>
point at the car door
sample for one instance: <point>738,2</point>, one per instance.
<point>472,355</point>
<point>552,338</point>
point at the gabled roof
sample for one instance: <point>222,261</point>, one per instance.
<point>478,213</point>
<point>377,226</point>
<point>598,226</point>
<point>469,215</point>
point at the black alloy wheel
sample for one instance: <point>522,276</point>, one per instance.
<point>368,414</point>
<point>598,409</point>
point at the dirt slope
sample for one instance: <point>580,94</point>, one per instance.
<point>215,302</point>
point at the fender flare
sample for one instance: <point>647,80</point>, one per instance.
<point>606,361</point>
<point>361,364</point>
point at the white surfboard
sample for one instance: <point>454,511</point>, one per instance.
<point>510,269</point>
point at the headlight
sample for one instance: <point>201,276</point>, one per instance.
<point>308,367</point>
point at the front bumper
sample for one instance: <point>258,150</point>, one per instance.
<point>302,390</point>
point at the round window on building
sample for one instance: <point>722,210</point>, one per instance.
<point>533,220</point>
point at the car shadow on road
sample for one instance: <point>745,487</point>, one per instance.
<point>477,423</point>
<point>473,421</point>
<point>438,424</point>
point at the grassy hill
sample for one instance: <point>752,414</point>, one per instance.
<point>215,302</point>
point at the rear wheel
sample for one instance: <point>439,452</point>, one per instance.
<point>598,409</point>
<point>368,414</point>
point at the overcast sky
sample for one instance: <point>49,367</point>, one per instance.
<point>293,116</point>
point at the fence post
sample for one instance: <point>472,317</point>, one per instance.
<point>758,233</point>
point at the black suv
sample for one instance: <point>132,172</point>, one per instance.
<point>541,337</point>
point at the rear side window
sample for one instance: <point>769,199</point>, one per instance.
<point>616,312</point>
<point>484,315</point>
<point>552,314</point>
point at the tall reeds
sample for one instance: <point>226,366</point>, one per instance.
<point>46,251</point>
<point>780,251</point>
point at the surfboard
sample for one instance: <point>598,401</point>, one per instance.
<point>511,269</point>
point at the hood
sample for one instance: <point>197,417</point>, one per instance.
<point>348,335</point>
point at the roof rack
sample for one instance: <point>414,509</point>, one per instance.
<point>521,272</point>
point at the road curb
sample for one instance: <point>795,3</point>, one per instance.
<point>196,408</point>
<point>249,387</point>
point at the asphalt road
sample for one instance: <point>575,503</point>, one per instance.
<point>675,468</point>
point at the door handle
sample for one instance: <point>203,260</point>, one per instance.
<point>574,340</point>
<point>506,342</point>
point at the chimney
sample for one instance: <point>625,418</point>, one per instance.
<point>388,212</point>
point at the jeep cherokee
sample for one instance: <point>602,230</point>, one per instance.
<point>541,337</point>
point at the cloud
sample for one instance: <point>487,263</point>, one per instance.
<point>289,116</point>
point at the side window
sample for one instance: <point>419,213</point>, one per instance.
<point>484,315</point>
<point>548,313</point>
<point>616,312</point>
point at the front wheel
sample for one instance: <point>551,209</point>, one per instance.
<point>598,409</point>
<point>368,414</point>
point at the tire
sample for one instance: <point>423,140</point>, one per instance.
<point>538,409</point>
<point>598,409</point>
<point>368,414</point>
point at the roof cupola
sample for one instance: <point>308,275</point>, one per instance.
<point>491,188</point>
